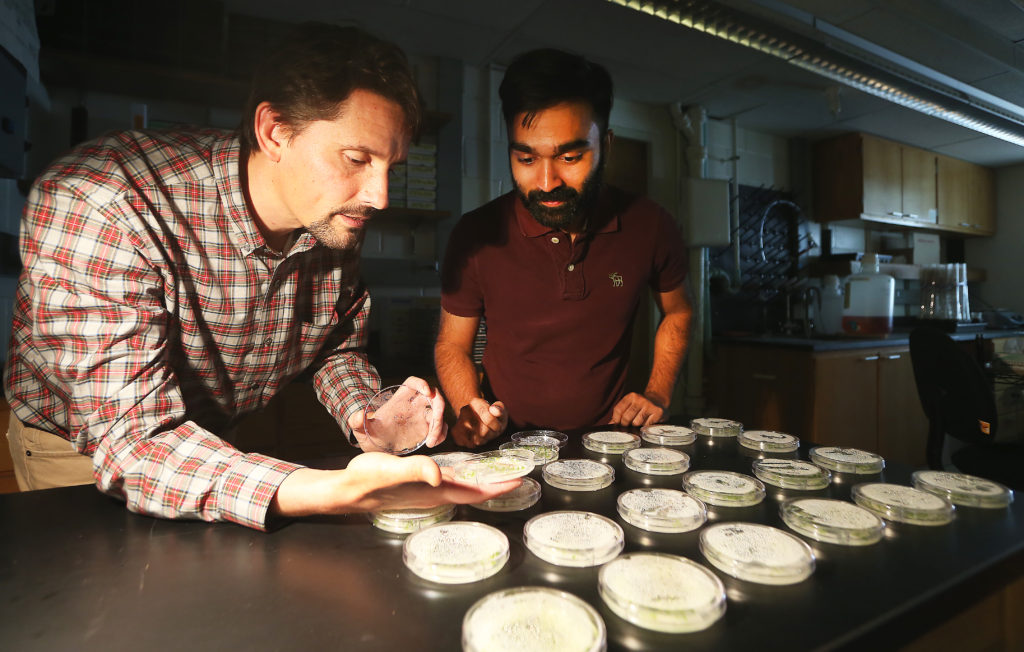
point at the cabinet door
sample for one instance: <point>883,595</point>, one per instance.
<point>918,168</point>
<point>764,388</point>
<point>953,193</point>
<point>981,210</point>
<point>902,425</point>
<point>846,399</point>
<point>883,194</point>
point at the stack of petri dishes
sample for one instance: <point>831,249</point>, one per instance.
<point>757,553</point>
<point>532,618</point>
<point>573,538</point>
<point>832,521</point>
<point>578,475</point>
<point>714,427</point>
<point>457,552</point>
<point>724,488</point>
<point>522,497</point>
<point>847,460</point>
<point>768,441</point>
<point>665,593</point>
<point>791,474</point>
<point>661,510</point>
<point>896,502</point>
<point>404,521</point>
<point>664,434</point>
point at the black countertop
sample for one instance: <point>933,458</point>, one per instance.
<point>78,572</point>
<point>845,342</point>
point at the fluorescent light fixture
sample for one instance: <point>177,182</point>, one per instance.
<point>864,66</point>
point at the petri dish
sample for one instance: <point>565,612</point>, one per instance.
<point>450,459</point>
<point>573,538</point>
<point>404,521</point>
<point>560,437</point>
<point>661,510</point>
<point>896,502</point>
<point>397,419</point>
<point>713,427</point>
<point>542,452</point>
<point>963,489</point>
<point>832,521</point>
<point>522,497</point>
<point>769,441</point>
<point>664,434</point>
<point>791,474</point>
<point>847,460</point>
<point>723,488</point>
<point>457,552</point>
<point>666,593</point>
<point>757,553</point>
<point>532,618</point>
<point>656,461</point>
<point>610,441</point>
<point>578,475</point>
<point>494,466</point>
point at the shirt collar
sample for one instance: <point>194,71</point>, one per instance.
<point>602,213</point>
<point>227,162</point>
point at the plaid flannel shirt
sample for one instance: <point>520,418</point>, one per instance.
<point>150,313</point>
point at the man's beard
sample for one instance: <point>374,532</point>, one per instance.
<point>569,216</point>
<point>339,236</point>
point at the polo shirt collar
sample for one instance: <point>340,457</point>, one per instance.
<point>601,213</point>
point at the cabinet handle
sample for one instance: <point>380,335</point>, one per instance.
<point>913,216</point>
<point>870,358</point>
<point>896,356</point>
<point>967,224</point>
<point>763,376</point>
<point>896,214</point>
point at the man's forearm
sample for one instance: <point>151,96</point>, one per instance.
<point>669,352</point>
<point>457,375</point>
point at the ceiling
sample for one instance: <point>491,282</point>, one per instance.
<point>977,43</point>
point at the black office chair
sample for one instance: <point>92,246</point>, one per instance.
<point>958,400</point>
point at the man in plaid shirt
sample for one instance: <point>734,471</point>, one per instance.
<point>174,281</point>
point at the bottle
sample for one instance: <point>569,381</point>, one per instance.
<point>831,305</point>
<point>868,300</point>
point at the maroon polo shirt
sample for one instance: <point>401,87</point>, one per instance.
<point>559,313</point>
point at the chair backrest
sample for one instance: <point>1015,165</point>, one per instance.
<point>956,395</point>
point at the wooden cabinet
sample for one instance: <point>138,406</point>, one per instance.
<point>966,197</point>
<point>865,398</point>
<point>863,177</point>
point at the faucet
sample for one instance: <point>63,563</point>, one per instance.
<point>806,296</point>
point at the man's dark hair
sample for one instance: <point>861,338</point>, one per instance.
<point>317,66</point>
<point>540,79</point>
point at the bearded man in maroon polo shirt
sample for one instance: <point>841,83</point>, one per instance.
<point>557,268</point>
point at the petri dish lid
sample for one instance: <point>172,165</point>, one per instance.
<point>757,553</point>
<point>896,502</point>
<point>450,459</point>
<point>661,510</point>
<point>561,437</point>
<point>791,474</point>
<point>610,441</point>
<point>524,496</point>
<point>543,452</point>
<point>847,460</point>
<point>714,427</point>
<point>666,593</point>
<point>769,441</point>
<point>397,419</point>
<point>457,552</point>
<point>963,489</point>
<point>665,434</point>
<point>494,466</point>
<point>404,521</point>
<point>656,461</point>
<point>832,521</point>
<point>578,475</point>
<point>573,538</point>
<point>724,488</point>
<point>532,618</point>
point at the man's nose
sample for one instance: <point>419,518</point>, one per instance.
<point>375,190</point>
<point>549,176</point>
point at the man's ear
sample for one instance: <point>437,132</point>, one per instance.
<point>271,133</point>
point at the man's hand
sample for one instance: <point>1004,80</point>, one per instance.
<point>637,410</point>
<point>479,422</point>
<point>374,481</point>
<point>437,429</point>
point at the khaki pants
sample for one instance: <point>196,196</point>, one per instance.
<point>43,460</point>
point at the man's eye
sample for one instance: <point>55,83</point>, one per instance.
<point>355,160</point>
<point>571,158</point>
<point>524,160</point>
